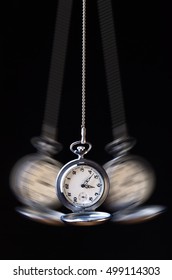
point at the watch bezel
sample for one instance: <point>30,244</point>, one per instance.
<point>59,185</point>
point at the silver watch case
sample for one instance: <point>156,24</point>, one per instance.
<point>87,218</point>
<point>59,187</point>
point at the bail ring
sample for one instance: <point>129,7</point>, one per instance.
<point>80,149</point>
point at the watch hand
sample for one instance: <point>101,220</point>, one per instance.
<point>88,179</point>
<point>87,186</point>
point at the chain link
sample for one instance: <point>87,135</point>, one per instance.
<point>83,62</point>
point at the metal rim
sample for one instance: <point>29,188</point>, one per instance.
<point>50,217</point>
<point>90,218</point>
<point>138,214</point>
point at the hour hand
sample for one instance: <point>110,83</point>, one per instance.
<point>86,186</point>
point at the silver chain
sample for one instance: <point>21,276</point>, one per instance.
<point>83,129</point>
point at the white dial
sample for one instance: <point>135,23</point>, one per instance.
<point>82,185</point>
<point>33,181</point>
<point>131,182</point>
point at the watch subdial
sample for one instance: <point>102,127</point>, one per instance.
<point>82,197</point>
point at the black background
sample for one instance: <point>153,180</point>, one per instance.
<point>142,29</point>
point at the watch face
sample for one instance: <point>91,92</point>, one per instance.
<point>33,181</point>
<point>131,182</point>
<point>81,185</point>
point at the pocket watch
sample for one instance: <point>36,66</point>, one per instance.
<point>132,182</point>
<point>131,178</point>
<point>82,186</point>
<point>33,177</point>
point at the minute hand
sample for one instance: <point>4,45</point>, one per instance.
<point>88,179</point>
